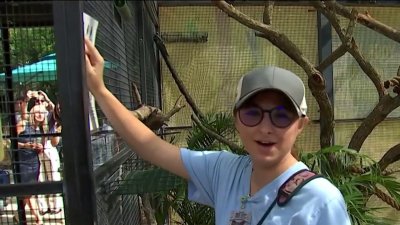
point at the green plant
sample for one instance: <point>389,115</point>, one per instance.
<point>355,184</point>
<point>193,213</point>
<point>220,123</point>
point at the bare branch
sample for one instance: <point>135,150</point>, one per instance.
<point>386,198</point>
<point>390,172</point>
<point>143,112</point>
<point>231,145</point>
<point>391,156</point>
<point>352,24</point>
<point>368,21</point>
<point>335,55</point>
<point>398,72</point>
<point>153,117</point>
<point>316,82</point>
<point>368,69</point>
<point>136,95</point>
<point>175,76</point>
<point>177,107</point>
<point>148,210</point>
<point>267,15</point>
<point>278,39</point>
<point>347,40</point>
<point>384,107</point>
<point>331,16</point>
<point>345,37</point>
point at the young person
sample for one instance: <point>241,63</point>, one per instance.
<point>29,148</point>
<point>50,162</point>
<point>270,113</point>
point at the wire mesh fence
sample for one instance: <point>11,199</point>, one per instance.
<point>29,114</point>
<point>210,52</point>
<point>29,93</point>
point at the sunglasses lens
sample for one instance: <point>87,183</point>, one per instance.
<point>250,116</point>
<point>281,117</point>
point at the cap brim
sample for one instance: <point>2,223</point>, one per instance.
<point>254,92</point>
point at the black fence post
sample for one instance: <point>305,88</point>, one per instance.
<point>324,50</point>
<point>142,51</point>
<point>80,200</point>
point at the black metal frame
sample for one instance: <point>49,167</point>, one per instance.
<point>142,51</point>
<point>7,190</point>
<point>20,190</point>
<point>324,50</point>
<point>80,199</point>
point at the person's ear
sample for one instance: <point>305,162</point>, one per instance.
<point>303,122</point>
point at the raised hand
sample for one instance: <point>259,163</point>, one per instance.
<point>38,147</point>
<point>94,67</point>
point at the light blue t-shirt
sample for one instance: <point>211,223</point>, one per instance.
<point>220,179</point>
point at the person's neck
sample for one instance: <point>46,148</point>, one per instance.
<point>36,125</point>
<point>263,175</point>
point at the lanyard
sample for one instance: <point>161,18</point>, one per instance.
<point>267,212</point>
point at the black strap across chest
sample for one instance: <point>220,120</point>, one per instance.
<point>288,189</point>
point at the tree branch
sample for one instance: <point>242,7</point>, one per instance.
<point>152,117</point>
<point>384,107</point>
<point>231,145</point>
<point>177,107</point>
<point>349,42</point>
<point>368,69</point>
<point>175,76</point>
<point>136,96</point>
<point>267,15</point>
<point>278,39</point>
<point>390,172</point>
<point>148,210</point>
<point>391,156</point>
<point>316,81</point>
<point>335,55</point>
<point>386,198</point>
<point>367,21</point>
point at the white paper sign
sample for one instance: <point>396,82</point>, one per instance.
<point>90,28</point>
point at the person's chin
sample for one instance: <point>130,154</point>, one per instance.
<point>267,157</point>
<point>266,150</point>
<point>268,162</point>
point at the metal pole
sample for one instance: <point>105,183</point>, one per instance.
<point>324,50</point>
<point>79,191</point>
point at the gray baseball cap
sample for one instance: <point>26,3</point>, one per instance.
<point>272,78</point>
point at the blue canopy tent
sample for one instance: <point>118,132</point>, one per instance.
<point>43,70</point>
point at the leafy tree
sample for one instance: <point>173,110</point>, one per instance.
<point>27,45</point>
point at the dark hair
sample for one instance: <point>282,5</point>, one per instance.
<point>31,103</point>
<point>55,116</point>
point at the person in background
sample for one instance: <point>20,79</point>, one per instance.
<point>29,99</point>
<point>30,145</point>
<point>5,165</point>
<point>50,163</point>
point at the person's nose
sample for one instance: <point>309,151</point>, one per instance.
<point>266,125</point>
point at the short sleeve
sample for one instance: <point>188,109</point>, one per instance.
<point>206,171</point>
<point>332,213</point>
